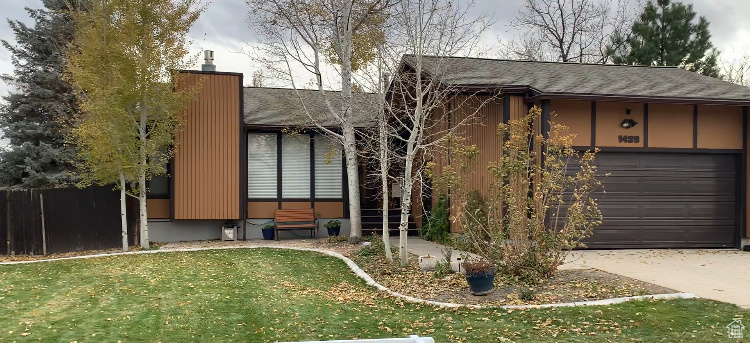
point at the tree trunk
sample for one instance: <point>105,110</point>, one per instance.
<point>384,185</point>
<point>352,173</point>
<point>347,126</point>
<point>123,212</point>
<point>143,164</point>
<point>406,188</point>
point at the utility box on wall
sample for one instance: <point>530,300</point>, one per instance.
<point>229,233</point>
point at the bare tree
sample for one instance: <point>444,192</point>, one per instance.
<point>569,30</point>
<point>314,35</point>
<point>737,70</point>
<point>423,37</point>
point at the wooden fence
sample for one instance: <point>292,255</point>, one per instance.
<point>66,219</point>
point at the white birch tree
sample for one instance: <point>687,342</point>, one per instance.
<point>427,33</point>
<point>315,35</point>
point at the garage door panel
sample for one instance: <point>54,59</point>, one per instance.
<point>666,200</point>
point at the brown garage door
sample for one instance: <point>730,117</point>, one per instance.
<point>667,201</point>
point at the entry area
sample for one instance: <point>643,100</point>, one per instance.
<point>667,200</point>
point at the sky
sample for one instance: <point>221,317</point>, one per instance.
<point>223,28</point>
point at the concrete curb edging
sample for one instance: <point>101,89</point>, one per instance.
<point>371,282</point>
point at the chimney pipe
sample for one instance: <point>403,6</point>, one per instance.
<point>208,57</point>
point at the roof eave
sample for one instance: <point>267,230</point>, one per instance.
<point>640,98</point>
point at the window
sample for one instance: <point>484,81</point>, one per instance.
<point>328,169</point>
<point>295,166</point>
<point>261,166</point>
<point>158,185</point>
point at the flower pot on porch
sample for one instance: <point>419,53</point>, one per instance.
<point>268,234</point>
<point>334,231</point>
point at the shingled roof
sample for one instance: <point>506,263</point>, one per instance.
<point>608,80</point>
<point>281,107</point>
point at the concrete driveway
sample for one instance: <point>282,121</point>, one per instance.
<point>722,275</point>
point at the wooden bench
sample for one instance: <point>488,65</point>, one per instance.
<point>303,219</point>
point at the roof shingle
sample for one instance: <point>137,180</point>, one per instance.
<point>280,107</point>
<point>584,79</point>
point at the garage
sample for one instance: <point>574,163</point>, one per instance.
<point>667,200</point>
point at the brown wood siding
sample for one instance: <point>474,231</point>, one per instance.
<point>295,205</point>
<point>207,161</point>
<point>719,127</point>
<point>670,126</point>
<point>329,209</point>
<point>261,210</point>
<point>576,115</point>
<point>481,131</point>
<point>609,117</point>
<point>483,134</point>
<point>158,208</point>
<point>517,108</point>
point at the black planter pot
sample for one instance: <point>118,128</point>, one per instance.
<point>268,234</point>
<point>481,284</point>
<point>334,231</point>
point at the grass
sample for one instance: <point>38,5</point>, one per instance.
<point>264,295</point>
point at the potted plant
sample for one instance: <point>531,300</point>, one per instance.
<point>334,227</point>
<point>268,231</point>
<point>480,274</point>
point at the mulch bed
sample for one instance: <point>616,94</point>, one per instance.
<point>566,286</point>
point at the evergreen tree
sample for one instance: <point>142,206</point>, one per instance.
<point>665,35</point>
<point>40,104</point>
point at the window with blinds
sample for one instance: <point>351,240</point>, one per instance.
<point>295,166</point>
<point>261,165</point>
<point>328,170</point>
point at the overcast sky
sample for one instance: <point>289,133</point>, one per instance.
<point>223,28</point>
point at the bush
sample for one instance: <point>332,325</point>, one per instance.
<point>375,248</point>
<point>443,267</point>
<point>437,228</point>
<point>535,212</point>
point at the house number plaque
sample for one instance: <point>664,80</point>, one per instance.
<point>629,139</point>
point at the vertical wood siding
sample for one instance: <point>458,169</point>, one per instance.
<point>207,161</point>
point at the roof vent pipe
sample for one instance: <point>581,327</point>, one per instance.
<point>208,65</point>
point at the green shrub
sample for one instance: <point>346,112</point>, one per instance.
<point>443,267</point>
<point>437,228</point>
<point>375,248</point>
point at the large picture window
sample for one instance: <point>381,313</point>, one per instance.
<point>328,168</point>
<point>261,166</point>
<point>292,163</point>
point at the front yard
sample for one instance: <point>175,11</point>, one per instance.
<point>265,295</point>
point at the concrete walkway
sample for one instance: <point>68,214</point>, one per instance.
<point>420,247</point>
<point>714,274</point>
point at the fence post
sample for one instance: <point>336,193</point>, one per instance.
<point>9,237</point>
<point>44,233</point>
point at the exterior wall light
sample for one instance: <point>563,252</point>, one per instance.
<point>628,123</point>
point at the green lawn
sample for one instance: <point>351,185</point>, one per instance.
<point>256,295</point>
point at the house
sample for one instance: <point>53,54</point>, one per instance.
<point>244,152</point>
<point>674,143</point>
